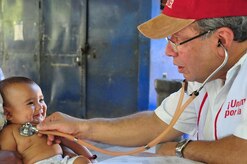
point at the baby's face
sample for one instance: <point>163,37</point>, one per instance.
<point>25,103</point>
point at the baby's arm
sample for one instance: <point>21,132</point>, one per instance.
<point>7,140</point>
<point>77,149</point>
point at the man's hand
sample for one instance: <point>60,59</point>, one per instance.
<point>62,123</point>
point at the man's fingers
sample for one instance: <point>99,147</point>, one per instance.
<point>42,126</point>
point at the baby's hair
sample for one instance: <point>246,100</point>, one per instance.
<point>13,80</point>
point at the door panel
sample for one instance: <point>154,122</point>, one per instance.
<point>115,57</point>
<point>60,69</point>
<point>20,38</point>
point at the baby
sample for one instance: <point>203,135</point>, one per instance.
<point>23,102</point>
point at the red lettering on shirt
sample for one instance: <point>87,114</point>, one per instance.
<point>234,107</point>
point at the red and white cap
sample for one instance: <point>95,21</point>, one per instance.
<point>178,14</point>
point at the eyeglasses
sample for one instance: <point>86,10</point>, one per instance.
<point>175,45</point>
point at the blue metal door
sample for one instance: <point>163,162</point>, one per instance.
<point>87,55</point>
<point>62,72</point>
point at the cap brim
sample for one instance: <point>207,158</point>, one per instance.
<point>163,26</point>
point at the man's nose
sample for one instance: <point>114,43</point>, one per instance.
<point>169,51</point>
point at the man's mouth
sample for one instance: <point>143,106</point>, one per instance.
<point>180,69</point>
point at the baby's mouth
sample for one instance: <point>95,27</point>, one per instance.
<point>37,119</point>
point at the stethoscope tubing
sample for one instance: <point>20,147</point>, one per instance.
<point>179,110</point>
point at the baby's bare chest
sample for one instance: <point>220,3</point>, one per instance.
<point>25,143</point>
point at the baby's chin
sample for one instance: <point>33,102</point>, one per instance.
<point>37,120</point>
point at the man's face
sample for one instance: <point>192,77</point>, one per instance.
<point>196,59</point>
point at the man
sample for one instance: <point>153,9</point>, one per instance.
<point>207,40</point>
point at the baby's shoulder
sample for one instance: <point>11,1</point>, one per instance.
<point>11,127</point>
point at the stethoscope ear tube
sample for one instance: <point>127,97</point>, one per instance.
<point>218,69</point>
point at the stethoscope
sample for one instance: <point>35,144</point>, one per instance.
<point>29,130</point>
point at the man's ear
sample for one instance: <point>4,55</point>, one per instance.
<point>225,38</point>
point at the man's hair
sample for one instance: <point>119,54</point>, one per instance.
<point>237,24</point>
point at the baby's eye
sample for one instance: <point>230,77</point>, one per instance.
<point>41,100</point>
<point>30,103</point>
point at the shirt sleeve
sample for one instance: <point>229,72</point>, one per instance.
<point>186,122</point>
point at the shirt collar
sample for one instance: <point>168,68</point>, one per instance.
<point>236,67</point>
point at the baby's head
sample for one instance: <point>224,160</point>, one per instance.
<point>23,100</point>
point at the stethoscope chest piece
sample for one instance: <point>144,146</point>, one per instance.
<point>28,129</point>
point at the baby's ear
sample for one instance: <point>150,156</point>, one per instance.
<point>7,114</point>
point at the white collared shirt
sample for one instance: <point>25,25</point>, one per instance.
<point>218,111</point>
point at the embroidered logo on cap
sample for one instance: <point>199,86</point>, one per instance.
<point>169,3</point>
